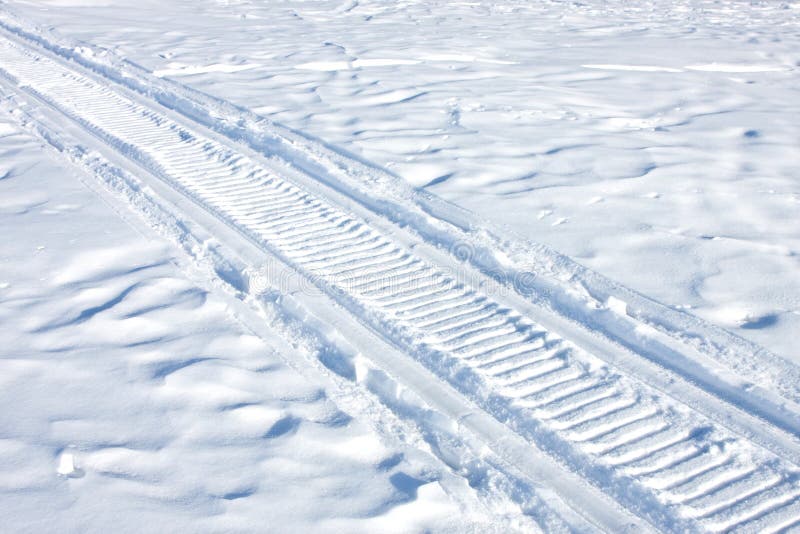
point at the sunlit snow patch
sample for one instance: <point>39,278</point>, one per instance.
<point>465,58</point>
<point>331,66</point>
<point>324,66</point>
<point>729,67</point>
<point>181,69</point>
<point>637,68</point>
<point>67,467</point>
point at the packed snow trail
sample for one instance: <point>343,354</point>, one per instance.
<point>675,467</point>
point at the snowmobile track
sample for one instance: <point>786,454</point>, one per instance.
<point>659,458</point>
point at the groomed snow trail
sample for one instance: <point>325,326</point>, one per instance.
<point>677,468</point>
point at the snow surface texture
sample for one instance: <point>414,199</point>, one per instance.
<point>132,399</point>
<point>654,142</point>
<point>691,455</point>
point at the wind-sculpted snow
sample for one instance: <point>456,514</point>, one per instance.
<point>134,401</point>
<point>664,133</point>
<point>676,464</point>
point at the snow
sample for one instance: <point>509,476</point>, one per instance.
<point>156,371</point>
<point>132,398</point>
<point>681,117</point>
<point>179,69</point>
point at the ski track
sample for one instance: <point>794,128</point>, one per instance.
<point>618,432</point>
